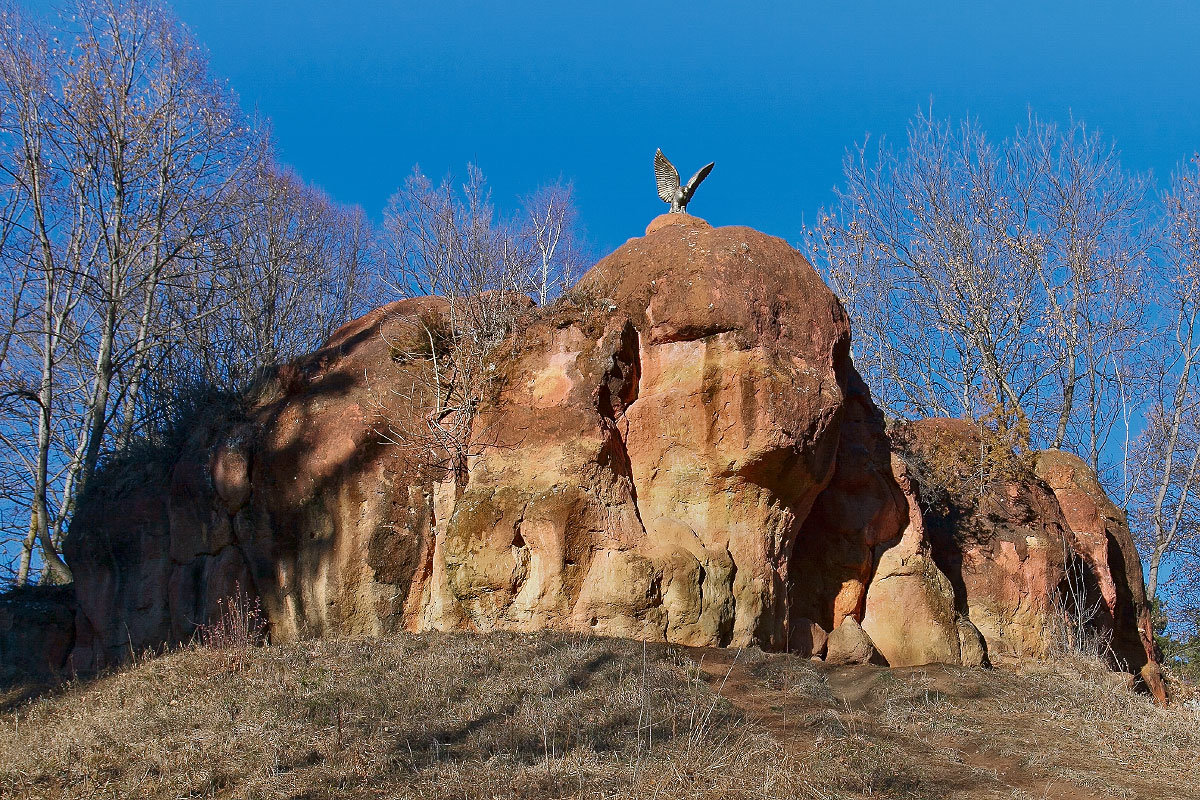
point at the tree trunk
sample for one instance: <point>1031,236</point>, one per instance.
<point>1152,575</point>
<point>55,568</point>
<point>27,550</point>
<point>1064,415</point>
<point>97,414</point>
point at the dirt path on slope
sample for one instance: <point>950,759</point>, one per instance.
<point>948,765</point>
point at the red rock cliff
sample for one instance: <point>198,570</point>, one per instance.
<point>679,450</point>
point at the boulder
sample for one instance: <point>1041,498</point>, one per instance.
<point>971,646</point>
<point>807,639</point>
<point>37,632</point>
<point>910,610</point>
<point>850,644</point>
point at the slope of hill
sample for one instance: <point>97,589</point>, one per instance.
<point>452,715</point>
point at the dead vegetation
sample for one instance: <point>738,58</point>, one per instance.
<point>550,716</point>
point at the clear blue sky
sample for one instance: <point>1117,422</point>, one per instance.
<point>773,92</point>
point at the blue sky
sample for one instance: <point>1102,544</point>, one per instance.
<point>773,92</point>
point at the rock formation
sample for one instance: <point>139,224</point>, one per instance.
<point>1105,543</point>
<point>37,630</point>
<point>678,450</point>
<point>1024,550</point>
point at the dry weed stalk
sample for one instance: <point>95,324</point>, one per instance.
<point>238,629</point>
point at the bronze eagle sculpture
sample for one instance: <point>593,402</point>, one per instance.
<point>668,182</point>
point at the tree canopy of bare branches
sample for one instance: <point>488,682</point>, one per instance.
<point>138,208</point>
<point>1165,497</point>
<point>447,240</point>
<point>1035,278</point>
<point>981,274</point>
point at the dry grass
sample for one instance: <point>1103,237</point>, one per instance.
<point>546,716</point>
<point>439,715</point>
<point>1065,729</point>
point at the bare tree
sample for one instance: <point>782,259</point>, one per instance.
<point>49,258</point>
<point>983,276</point>
<point>166,144</point>
<point>551,223</point>
<point>447,242</point>
<point>1088,235</point>
<point>930,251</point>
<point>1167,498</point>
<point>151,252</point>
<point>287,269</point>
<point>120,147</point>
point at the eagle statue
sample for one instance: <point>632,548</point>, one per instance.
<point>668,182</point>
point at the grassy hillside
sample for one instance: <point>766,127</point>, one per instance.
<point>462,716</point>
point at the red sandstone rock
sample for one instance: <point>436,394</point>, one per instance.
<point>1005,554</point>
<point>655,461</point>
<point>679,450</point>
<point>1107,544</point>
<point>857,514</point>
<point>910,613</point>
<point>850,644</point>
<point>37,633</point>
<point>1008,553</point>
<point>806,638</point>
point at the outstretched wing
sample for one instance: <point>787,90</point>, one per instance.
<point>667,177</point>
<point>697,178</point>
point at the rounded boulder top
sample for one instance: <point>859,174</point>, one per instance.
<point>675,218</point>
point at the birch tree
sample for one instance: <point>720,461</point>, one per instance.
<point>121,149</point>
<point>1167,502</point>
<point>551,223</point>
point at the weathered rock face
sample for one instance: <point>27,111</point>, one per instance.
<point>295,501</point>
<point>37,632</point>
<point>860,510</point>
<point>1106,544</point>
<point>1004,550</point>
<point>910,612</point>
<point>679,450</point>
<point>653,464</point>
<point>1026,549</point>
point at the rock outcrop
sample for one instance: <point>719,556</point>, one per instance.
<point>651,469</point>
<point>1029,548</point>
<point>37,633</point>
<point>1106,544</point>
<point>910,612</point>
<point>678,450</point>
